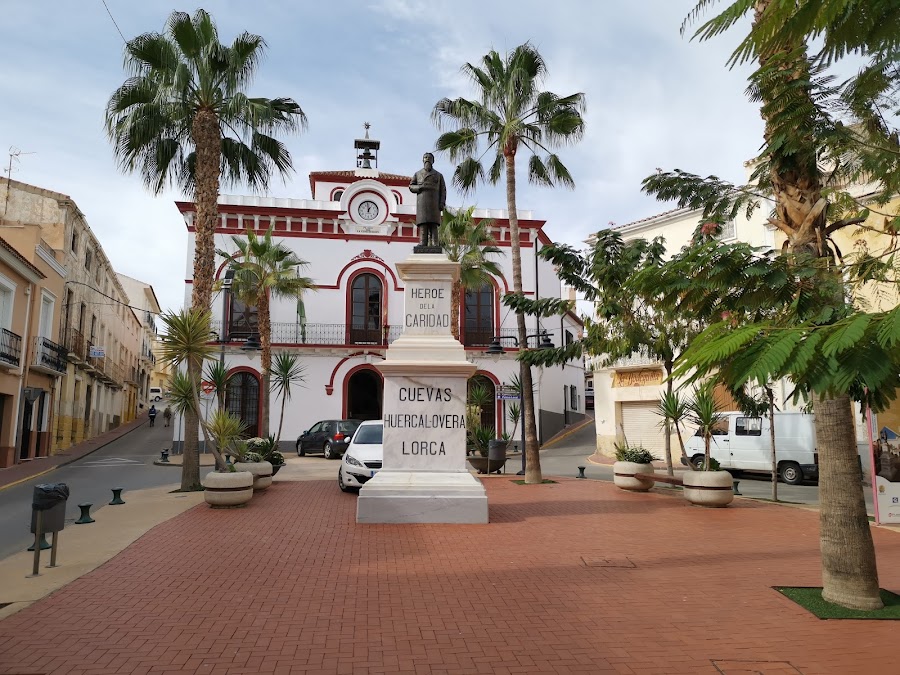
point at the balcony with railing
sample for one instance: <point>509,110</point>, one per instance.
<point>331,334</point>
<point>76,345</point>
<point>10,348</point>
<point>49,357</point>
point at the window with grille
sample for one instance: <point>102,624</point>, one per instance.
<point>478,316</point>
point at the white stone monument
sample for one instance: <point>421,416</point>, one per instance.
<point>424,478</point>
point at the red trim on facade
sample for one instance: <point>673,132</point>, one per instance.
<point>329,388</point>
<point>375,261</point>
<point>339,188</point>
<point>398,196</point>
<point>351,177</point>
<point>346,385</point>
<point>572,315</point>
<point>498,415</point>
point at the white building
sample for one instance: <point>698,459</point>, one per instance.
<point>357,226</point>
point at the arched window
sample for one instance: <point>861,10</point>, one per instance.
<point>365,310</point>
<point>242,318</point>
<point>478,316</point>
<point>242,399</point>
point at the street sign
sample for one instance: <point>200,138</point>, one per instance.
<point>507,392</point>
<point>96,352</point>
<point>507,397</point>
<point>207,387</point>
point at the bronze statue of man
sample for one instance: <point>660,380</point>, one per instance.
<point>431,198</point>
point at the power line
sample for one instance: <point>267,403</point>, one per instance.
<point>114,21</point>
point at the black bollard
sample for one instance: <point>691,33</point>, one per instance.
<point>85,516</point>
<point>736,483</point>
<point>164,456</point>
<point>44,543</point>
<point>581,472</point>
<point>117,496</point>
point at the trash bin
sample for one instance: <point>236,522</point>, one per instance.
<point>50,498</point>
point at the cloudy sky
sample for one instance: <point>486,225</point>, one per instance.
<point>654,99</point>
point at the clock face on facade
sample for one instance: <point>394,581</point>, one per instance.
<point>368,210</point>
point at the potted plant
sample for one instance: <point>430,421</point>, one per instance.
<point>248,460</point>
<point>708,485</point>
<point>631,460</point>
<point>266,448</point>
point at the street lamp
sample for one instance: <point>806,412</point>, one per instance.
<point>495,351</point>
<point>251,344</point>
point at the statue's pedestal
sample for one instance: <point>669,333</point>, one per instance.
<point>424,478</point>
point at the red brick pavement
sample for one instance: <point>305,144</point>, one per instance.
<point>292,585</point>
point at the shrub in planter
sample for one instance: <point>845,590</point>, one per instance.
<point>267,449</point>
<point>248,460</point>
<point>707,486</point>
<point>631,460</point>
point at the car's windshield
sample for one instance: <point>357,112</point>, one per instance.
<point>369,434</point>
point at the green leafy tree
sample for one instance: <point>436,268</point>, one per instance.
<point>511,114</point>
<point>808,158</point>
<point>265,269</point>
<point>183,117</point>
<point>285,372</point>
<point>468,243</point>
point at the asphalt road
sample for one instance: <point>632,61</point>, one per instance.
<point>126,462</point>
<point>564,458</point>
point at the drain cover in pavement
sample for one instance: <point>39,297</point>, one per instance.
<point>756,668</point>
<point>606,561</point>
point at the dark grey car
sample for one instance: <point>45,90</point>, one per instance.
<point>330,437</point>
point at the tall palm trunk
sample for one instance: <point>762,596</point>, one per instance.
<point>454,309</point>
<point>532,451</point>
<point>849,573</point>
<point>265,338</point>
<point>208,143</point>
<point>668,425</point>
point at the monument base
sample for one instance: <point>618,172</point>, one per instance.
<point>422,497</point>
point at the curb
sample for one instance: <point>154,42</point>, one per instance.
<point>568,432</point>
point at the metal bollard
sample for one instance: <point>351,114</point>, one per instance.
<point>581,472</point>
<point>38,544</point>
<point>117,496</point>
<point>44,543</point>
<point>164,456</point>
<point>736,483</point>
<point>85,516</point>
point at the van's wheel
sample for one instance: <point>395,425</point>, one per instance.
<point>697,462</point>
<point>791,473</point>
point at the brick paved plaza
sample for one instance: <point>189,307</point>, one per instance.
<point>572,577</point>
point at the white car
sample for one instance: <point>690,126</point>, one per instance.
<point>363,456</point>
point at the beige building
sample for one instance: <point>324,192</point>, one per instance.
<point>100,332</point>
<point>146,308</point>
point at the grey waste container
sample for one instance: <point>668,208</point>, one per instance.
<point>50,498</point>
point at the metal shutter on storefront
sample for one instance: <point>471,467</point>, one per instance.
<point>641,426</point>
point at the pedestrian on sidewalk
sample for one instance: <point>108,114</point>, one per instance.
<point>152,414</point>
<point>167,416</point>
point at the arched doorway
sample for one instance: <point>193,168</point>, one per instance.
<point>242,399</point>
<point>364,395</point>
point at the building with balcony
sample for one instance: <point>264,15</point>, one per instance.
<point>97,329</point>
<point>146,309</point>
<point>32,360</point>
<point>358,225</point>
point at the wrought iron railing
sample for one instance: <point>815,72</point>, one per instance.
<point>76,344</point>
<point>10,347</point>
<point>343,334</point>
<point>49,354</point>
<point>480,337</point>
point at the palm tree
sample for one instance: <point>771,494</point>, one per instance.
<point>469,244</point>
<point>512,114</point>
<point>183,118</point>
<point>673,408</point>
<point>704,412</point>
<point>286,371</point>
<point>264,269</point>
<point>217,374</point>
<point>804,161</point>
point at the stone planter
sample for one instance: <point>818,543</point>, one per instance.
<point>708,488</point>
<point>486,464</point>
<point>262,473</point>
<point>276,468</point>
<point>228,488</point>
<point>623,476</point>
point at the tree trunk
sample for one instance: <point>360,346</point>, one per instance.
<point>265,338</point>
<point>454,308</point>
<point>532,449</point>
<point>771,396</point>
<point>208,143</point>
<point>849,573</point>
<point>668,428</point>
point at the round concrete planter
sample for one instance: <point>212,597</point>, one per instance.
<point>708,488</point>
<point>228,488</point>
<point>623,476</point>
<point>262,473</point>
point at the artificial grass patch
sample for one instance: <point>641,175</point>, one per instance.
<point>810,599</point>
<point>522,482</point>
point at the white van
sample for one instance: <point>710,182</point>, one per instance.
<point>744,443</point>
<point>156,393</point>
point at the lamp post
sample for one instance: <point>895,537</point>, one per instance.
<point>495,351</point>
